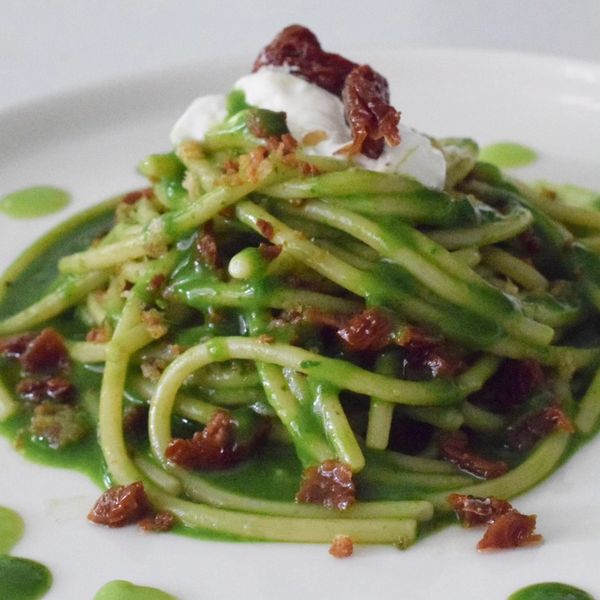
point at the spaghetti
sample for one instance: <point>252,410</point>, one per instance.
<point>395,343</point>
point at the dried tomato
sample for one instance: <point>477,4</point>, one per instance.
<point>121,505</point>
<point>372,119</point>
<point>472,510</point>
<point>368,330</point>
<point>455,449</point>
<point>364,92</point>
<point>59,389</point>
<point>46,353</point>
<point>510,530</point>
<point>330,485</point>
<point>298,48</point>
<point>527,432</point>
<point>512,384</point>
<point>216,446</point>
<point>15,346</point>
<point>507,527</point>
<point>424,352</point>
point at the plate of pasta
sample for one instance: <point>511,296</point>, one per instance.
<point>340,306</point>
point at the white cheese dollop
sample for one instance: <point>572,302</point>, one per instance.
<point>200,116</point>
<point>310,108</point>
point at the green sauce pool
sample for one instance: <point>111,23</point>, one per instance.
<point>23,579</point>
<point>508,155</point>
<point>11,529</point>
<point>32,202</point>
<point>550,591</point>
<point>123,590</point>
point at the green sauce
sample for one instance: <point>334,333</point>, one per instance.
<point>550,591</point>
<point>11,529</point>
<point>123,590</point>
<point>34,202</point>
<point>273,473</point>
<point>22,579</point>
<point>508,155</point>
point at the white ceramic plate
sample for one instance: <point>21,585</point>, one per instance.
<point>89,143</point>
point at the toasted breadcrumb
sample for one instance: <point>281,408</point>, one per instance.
<point>341,547</point>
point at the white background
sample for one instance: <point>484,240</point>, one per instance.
<point>50,46</point>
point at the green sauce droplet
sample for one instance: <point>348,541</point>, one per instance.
<point>22,579</point>
<point>11,529</point>
<point>34,202</point>
<point>123,590</point>
<point>508,155</point>
<point>550,591</point>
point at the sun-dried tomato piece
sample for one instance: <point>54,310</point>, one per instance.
<point>424,352</point>
<point>216,446</point>
<point>507,527</point>
<point>121,505</point>
<point>365,92</point>
<point>158,522</point>
<point>298,48</point>
<point>520,378</point>
<point>330,485</point>
<point>372,119</point>
<point>531,429</point>
<point>59,389</point>
<point>510,530</point>
<point>512,384</point>
<point>45,354</point>
<point>341,546</point>
<point>454,448</point>
<point>213,447</point>
<point>15,346</point>
<point>472,510</point>
<point>369,330</point>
